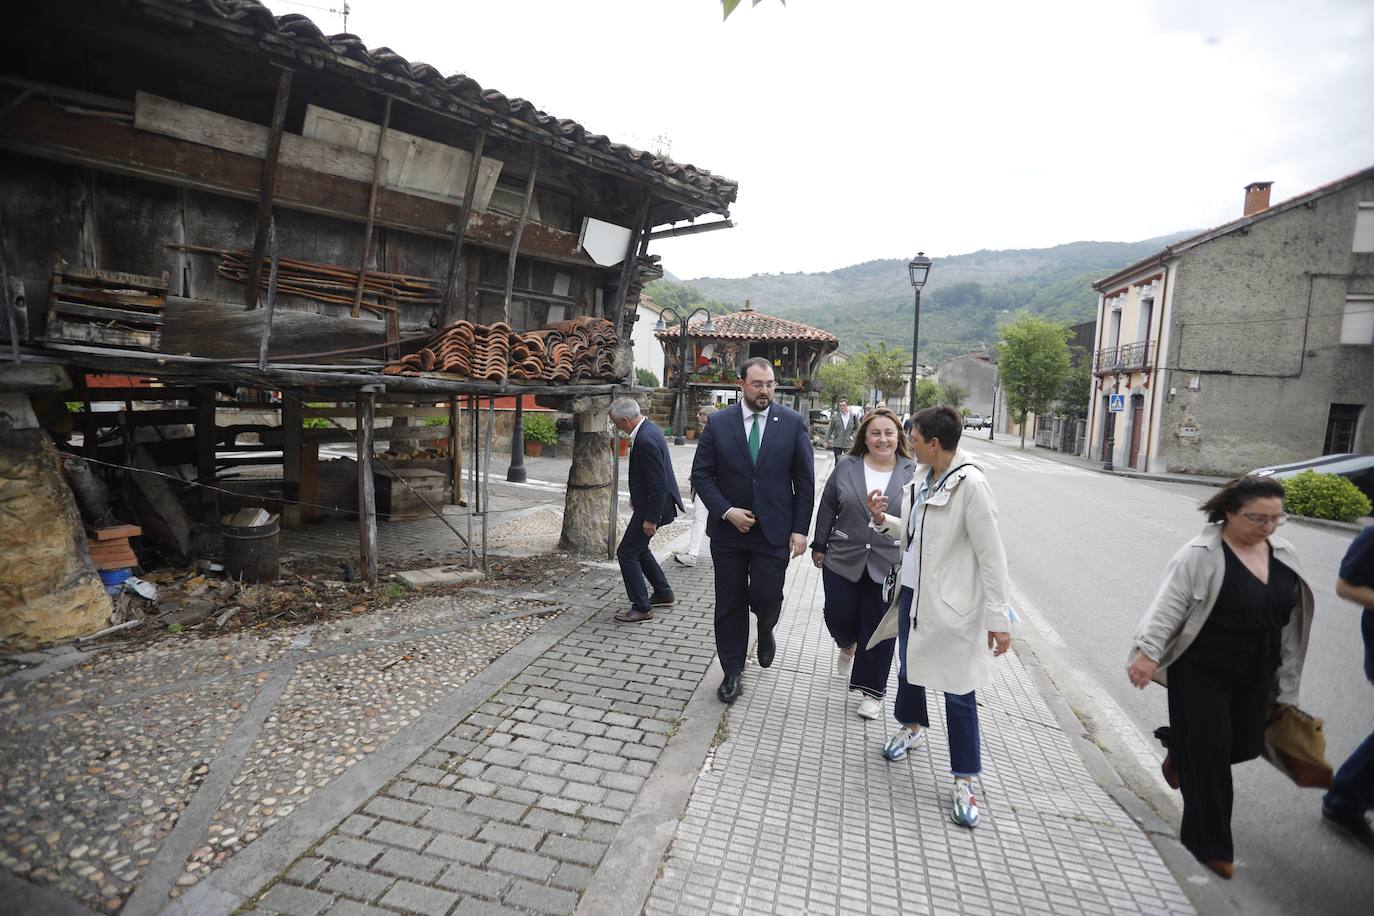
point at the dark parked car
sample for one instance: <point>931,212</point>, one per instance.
<point>1358,469</point>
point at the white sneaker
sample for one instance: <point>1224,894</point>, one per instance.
<point>905,739</point>
<point>870,708</point>
<point>686,559</point>
<point>965,812</point>
<point>843,664</point>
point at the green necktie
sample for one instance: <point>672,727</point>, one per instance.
<point>754,437</point>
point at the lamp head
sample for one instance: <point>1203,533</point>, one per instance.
<point>918,268</point>
<point>710,326</point>
<point>660,325</point>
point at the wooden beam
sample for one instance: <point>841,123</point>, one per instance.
<point>205,441</point>
<point>627,266</point>
<point>377,163</point>
<point>519,231</point>
<point>271,297</point>
<point>455,450</point>
<point>690,230</point>
<point>291,458</point>
<point>367,490</point>
<point>267,187</point>
<point>456,265</point>
<point>40,130</point>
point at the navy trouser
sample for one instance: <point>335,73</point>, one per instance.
<point>749,577</point>
<point>637,563</point>
<point>1352,791</point>
<point>961,709</point>
<point>853,611</point>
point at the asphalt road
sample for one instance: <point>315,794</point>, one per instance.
<point>1087,551</point>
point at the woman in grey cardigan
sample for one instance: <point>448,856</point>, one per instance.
<point>1229,626</point>
<point>855,558</point>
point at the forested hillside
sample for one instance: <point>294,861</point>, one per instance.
<point>967,297</point>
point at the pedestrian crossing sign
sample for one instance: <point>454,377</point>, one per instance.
<point>1116,403</point>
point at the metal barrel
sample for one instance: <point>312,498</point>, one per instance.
<point>250,554</point>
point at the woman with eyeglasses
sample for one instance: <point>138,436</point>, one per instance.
<point>1229,628</point>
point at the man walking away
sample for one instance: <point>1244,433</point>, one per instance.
<point>698,507</point>
<point>839,435</point>
<point>1352,791</point>
<point>654,501</point>
<point>753,471</point>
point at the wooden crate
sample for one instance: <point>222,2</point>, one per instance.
<point>105,307</point>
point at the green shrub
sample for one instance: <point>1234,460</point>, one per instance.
<point>436,421</point>
<point>1324,496</point>
<point>316,422</point>
<point>646,378</point>
<point>539,427</point>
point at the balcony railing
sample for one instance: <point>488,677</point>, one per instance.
<point>1126,358</point>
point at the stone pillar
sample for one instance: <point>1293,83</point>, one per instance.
<point>585,511</point>
<point>49,588</point>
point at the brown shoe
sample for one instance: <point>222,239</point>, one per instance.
<point>633,616</point>
<point>1170,774</point>
<point>1221,867</point>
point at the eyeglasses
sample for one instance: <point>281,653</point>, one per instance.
<point>759,386</point>
<point>1255,518</point>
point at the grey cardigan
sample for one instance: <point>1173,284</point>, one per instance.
<point>1185,599</point>
<point>843,532</point>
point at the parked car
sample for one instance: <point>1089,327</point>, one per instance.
<point>976,421</point>
<point>1358,469</point>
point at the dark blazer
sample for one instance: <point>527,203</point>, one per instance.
<point>843,533</point>
<point>653,488</point>
<point>780,491</point>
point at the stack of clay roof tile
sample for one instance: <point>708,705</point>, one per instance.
<point>566,351</point>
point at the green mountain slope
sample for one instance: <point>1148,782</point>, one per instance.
<point>967,297</point>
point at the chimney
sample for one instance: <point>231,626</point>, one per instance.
<point>1257,196</point>
<point>747,306</point>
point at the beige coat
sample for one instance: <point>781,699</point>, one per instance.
<point>1191,584</point>
<point>961,581</point>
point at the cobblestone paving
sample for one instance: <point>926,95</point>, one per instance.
<point>798,812</point>
<point>516,806</point>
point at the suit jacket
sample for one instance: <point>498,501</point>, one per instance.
<point>653,488</point>
<point>838,434</point>
<point>843,533</point>
<point>780,491</point>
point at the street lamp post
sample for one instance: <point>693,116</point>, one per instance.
<point>992,420</point>
<point>918,268</point>
<point>1110,445</point>
<point>682,372</point>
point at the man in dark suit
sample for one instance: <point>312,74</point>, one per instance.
<point>754,473</point>
<point>654,501</point>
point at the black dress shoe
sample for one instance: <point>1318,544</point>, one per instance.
<point>662,599</point>
<point>729,689</point>
<point>768,648</point>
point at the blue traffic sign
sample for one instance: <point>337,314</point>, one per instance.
<point>1116,403</point>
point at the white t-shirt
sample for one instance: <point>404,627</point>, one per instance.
<point>876,480</point>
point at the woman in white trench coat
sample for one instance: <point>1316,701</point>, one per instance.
<point>950,615</point>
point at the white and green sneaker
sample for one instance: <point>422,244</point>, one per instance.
<point>903,741</point>
<point>965,804</point>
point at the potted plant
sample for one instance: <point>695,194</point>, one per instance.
<point>440,444</point>
<point>539,432</point>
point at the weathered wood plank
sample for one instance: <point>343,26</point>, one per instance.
<point>100,297</point>
<point>110,337</point>
<point>103,314</point>
<point>367,493</point>
<point>110,278</point>
<point>267,187</point>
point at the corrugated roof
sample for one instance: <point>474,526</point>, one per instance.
<point>752,325</point>
<point>301,33</point>
<point>1177,248</point>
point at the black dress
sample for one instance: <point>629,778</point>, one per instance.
<point>1221,691</point>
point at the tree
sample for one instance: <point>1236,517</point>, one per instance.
<point>1033,358</point>
<point>728,6</point>
<point>842,380</point>
<point>884,369</point>
<point>928,394</point>
<point>1076,391</point>
<point>955,395</point>
<point>646,378</point>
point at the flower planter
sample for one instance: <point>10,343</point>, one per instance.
<point>624,447</point>
<point>533,449</point>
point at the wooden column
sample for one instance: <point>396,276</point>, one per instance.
<point>455,450</point>
<point>291,458</point>
<point>366,410</point>
<point>372,209</point>
<point>267,189</point>
<point>456,272</point>
<point>206,435</point>
<point>266,340</point>
<point>519,231</point>
<point>627,266</point>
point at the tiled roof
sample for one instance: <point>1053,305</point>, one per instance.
<point>752,325</point>
<point>302,34</point>
<point>1177,248</point>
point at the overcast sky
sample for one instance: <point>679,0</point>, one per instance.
<point>862,129</point>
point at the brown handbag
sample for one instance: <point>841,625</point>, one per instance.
<point>1295,743</point>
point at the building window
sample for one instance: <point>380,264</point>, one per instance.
<point>1364,227</point>
<point>1340,428</point>
<point>1357,322</point>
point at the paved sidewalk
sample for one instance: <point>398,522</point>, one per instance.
<point>798,812</point>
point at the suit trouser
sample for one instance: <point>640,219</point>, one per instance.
<point>1216,719</point>
<point>749,577</point>
<point>637,563</point>
<point>853,611</point>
